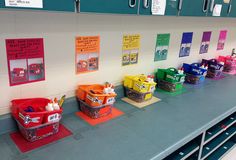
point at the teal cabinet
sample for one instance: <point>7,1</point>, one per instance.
<point>224,10</point>
<point>109,6</point>
<point>145,7</point>
<point>232,8</point>
<point>172,7</point>
<point>193,7</point>
<point>49,5</point>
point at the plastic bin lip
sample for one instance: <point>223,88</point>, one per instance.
<point>38,126</point>
<point>88,88</point>
<point>19,102</point>
<point>95,107</point>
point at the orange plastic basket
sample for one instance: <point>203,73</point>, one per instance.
<point>93,95</point>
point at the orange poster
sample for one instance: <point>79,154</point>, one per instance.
<point>87,53</point>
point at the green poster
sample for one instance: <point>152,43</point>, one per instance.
<point>162,46</point>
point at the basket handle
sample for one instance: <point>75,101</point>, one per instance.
<point>213,60</point>
<point>172,69</point>
<point>195,64</point>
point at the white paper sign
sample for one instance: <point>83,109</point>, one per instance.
<point>217,10</point>
<point>158,7</point>
<point>24,3</point>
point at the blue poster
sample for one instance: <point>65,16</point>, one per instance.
<point>186,44</point>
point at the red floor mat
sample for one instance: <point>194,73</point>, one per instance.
<point>25,146</point>
<point>115,113</point>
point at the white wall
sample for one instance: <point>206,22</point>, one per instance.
<point>59,31</point>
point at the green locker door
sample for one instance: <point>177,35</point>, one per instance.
<point>50,5</point>
<point>194,7</point>
<point>145,7</point>
<point>172,7</point>
<point>224,10</point>
<point>232,9</point>
<point>109,6</point>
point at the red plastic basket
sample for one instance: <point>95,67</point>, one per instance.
<point>38,117</point>
<point>229,61</point>
<point>41,131</point>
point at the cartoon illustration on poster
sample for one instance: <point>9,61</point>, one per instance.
<point>222,39</point>
<point>131,45</point>
<point>186,44</point>
<point>25,60</point>
<point>87,53</point>
<point>162,46</point>
<point>206,38</point>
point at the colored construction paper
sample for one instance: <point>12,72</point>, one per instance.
<point>158,7</point>
<point>26,146</point>
<point>186,44</point>
<point>87,53</point>
<point>25,59</point>
<point>222,39</point>
<point>114,114</point>
<point>206,38</point>
<point>142,104</point>
<point>24,3</point>
<point>162,46</point>
<point>130,49</point>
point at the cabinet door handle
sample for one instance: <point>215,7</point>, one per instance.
<point>132,3</point>
<point>77,6</point>
<point>205,6</point>
<point>229,10</point>
<point>212,5</point>
<point>180,5</point>
<point>146,3</point>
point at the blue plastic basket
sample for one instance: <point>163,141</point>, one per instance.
<point>213,64</point>
<point>194,69</point>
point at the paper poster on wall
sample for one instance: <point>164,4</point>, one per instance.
<point>186,44</point>
<point>206,38</point>
<point>217,10</point>
<point>25,59</point>
<point>130,49</point>
<point>222,39</point>
<point>87,53</point>
<point>158,7</point>
<point>162,46</point>
<point>24,3</point>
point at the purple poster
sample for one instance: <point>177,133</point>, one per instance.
<point>186,44</point>
<point>222,38</point>
<point>206,38</point>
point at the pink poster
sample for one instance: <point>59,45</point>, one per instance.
<point>222,39</point>
<point>25,59</point>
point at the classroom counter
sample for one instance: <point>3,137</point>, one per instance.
<point>151,133</point>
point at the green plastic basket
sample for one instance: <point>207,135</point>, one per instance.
<point>170,75</point>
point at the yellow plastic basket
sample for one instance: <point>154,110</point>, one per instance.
<point>139,84</point>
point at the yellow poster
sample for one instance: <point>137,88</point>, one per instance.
<point>130,47</point>
<point>87,50</point>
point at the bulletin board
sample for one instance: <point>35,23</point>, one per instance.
<point>206,38</point>
<point>186,44</point>
<point>25,59</point>
<point>130,49</point>
<point>87,53</point>
<point>162,46</point>
<point>222,39</point>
